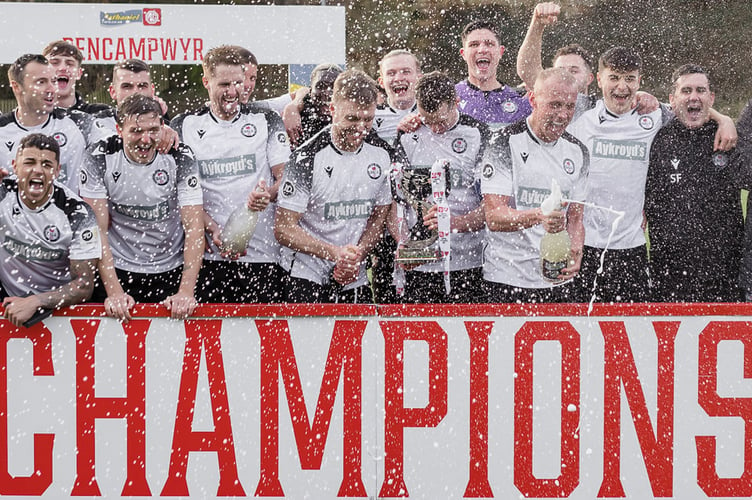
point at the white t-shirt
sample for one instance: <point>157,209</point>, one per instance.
<point>336,191</point>
<point>233,156</point>
<point>519,165</point>
<point>619,149</point>
<point>146,232</point>
<point>463,145</point>
<point>37,246</point>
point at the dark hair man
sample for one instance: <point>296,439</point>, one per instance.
<point>148,207</point>
<point>50,243</point>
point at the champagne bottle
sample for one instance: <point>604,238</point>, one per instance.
<point>555,248</point>
<point>238,230</point>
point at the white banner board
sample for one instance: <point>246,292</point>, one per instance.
<point>175,34</point>
<point>331,401</point>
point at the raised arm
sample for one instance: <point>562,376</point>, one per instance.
<point>529,62</point>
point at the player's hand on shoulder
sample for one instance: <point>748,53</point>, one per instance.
<point>646,103</point>
<point>169,140</point>
<point>410,123</point>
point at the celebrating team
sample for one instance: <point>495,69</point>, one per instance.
<point>122,205</point>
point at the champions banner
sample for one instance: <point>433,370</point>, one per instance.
<point>174,34</point>
<point>430,402</point>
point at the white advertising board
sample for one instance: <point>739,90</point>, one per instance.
<point>335,401</point>
<point>175,34</point>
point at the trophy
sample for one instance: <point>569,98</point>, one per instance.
<point>414,184</point>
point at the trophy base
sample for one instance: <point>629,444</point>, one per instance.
<point>417,255</point>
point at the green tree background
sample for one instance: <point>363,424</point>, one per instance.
<point>715,34</point>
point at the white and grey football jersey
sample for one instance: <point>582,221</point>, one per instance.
<point>38,245</point>
<point>336,191</point>
<point>73,131</point>
<point>463,145</point>
<point>519,165</point>
<point>619,148</point>
<point>146,233</point>
<point>232,157</point>
<point>387,119</point>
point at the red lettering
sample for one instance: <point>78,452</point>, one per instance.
<point>569,477</point>
<point>717,406</point>
<point>619,369</point>
<point>152,45</point>
<point>200,335</point>
<point>185,44</point>
<point>131,408</point>
<point>168,47</point>
<point>478,485</point>
<point>107,49</point>
<point>120,50</point>
<point>137,49</point>
<point>398,417</point>
<point>80,43</point>
<point>93,49</point>
<point>38,482</point>
<point>198,49</point>
<point>277,355</point>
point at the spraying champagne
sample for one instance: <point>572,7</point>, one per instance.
<point>240,226</point>
<point>555,248</point>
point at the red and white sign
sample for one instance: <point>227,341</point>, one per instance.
<point>441,402</point>
<point>174,34</point>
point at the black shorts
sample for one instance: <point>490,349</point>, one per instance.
<point>428,287</point>
<point>233,282</point>
<point>508,294</point>
<point>143,287</point>
<point>624,279</point>
<point>300,290</point>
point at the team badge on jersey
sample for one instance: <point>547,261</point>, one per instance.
<point>281,137</point>
<point>51,233</point>
<point>509,107</point>
<point>488,171</point>
<point>720,160</point>
<point>161,177</point>
<point>87,235</point>
<point>192,181</point>
<point>83,177</point>
<point>459,145</point>
<point>248,130</point>
<point>646,122</point>
<point>288,189</point>
<point>568,166</point>
<point>374,171</point>
<point>60,139</point>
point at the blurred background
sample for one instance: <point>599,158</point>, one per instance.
<point>667,33</point>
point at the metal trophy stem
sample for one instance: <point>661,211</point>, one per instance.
<point>419,247</point>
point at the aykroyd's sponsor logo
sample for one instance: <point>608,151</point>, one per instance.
<point>25,251</point>
<point>224,167</point>
<point>620,150</point>
<point>354,209</point>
